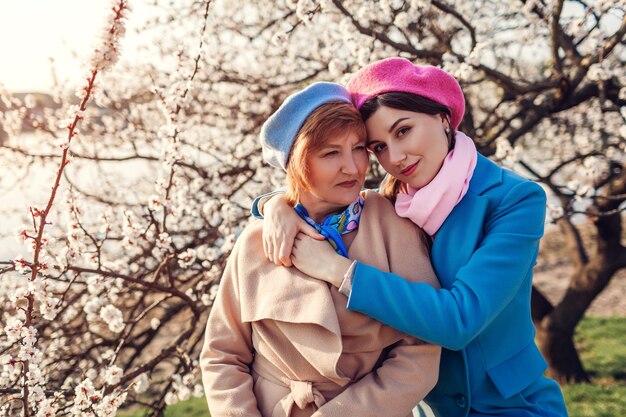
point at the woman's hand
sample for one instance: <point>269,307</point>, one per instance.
<point>319,260</point>
<point>280,227</point>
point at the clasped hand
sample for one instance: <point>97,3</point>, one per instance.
<point>319,260</point>
<point>288,240</point>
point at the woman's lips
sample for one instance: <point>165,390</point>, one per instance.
<point>347,184</point>
<point>410,169</point>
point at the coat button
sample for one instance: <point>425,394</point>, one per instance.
<point>461,401</point>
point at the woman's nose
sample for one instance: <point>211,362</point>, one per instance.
<point>350,165</point>
<point>396,154</point>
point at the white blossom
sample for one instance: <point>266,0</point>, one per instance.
<point>141,383</point>
<point>28,335</point>
<point>20,264</point>
<point>113,317</point>
<point>113,374</point>
<point>186,258</point>
<point>107,54</point>
<point>155,323</point>
<point>171,398</point>
<point>198,390</point>
<point>47,408</point>
<point>84,396</point>
<point>13,329</point>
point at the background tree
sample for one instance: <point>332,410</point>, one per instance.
<point>157,173</point>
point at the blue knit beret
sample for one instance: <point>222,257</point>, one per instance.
<point>280,130</point>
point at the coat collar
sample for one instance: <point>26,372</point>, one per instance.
<point>463,228</point>
<point>486,176</point>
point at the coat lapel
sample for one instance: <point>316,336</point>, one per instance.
<point>278,293</point>
<point>285,296</point>
<point>458,237</point>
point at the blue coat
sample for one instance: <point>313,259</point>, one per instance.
<point>484,255</point>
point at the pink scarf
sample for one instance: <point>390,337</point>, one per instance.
<point>429,206</point>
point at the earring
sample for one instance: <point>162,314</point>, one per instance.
<point>447,130</point>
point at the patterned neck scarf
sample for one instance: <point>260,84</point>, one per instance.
<point>332,227</point>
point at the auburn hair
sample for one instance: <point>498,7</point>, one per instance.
<point>332,119</point>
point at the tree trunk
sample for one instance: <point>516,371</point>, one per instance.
<point>556,325</point>
<point>555,332</point>
<point>557,346</point>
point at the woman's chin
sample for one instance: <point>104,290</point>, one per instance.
<point>349,198</point>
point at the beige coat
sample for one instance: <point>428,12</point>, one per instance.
<point>279,343</point>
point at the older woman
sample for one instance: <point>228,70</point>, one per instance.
<point>280,343</point>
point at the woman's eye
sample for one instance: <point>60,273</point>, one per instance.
<point>402,131</point>
<point>377,148</point>
<point>331,153</point>
<point>360,148</point>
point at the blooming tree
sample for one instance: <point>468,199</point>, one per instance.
<point>105,302</point>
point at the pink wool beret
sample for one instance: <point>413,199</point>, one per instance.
<point>401,75</point>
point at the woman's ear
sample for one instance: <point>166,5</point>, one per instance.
<point>446,123</point>
<point>447,128</point>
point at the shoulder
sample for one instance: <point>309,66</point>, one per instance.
<point>378,208</point>
<point>515,188</point>
<point>380,221</point>
<point>376,203</point>
<point>501,184</point>
<point>252,231</point>
<point>249,244</point>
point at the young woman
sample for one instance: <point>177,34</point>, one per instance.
<point>280,343</point>
<point>486,223</point>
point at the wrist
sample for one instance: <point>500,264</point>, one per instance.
<point>338,271</point>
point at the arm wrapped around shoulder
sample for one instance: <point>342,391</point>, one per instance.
<point>393,244</point>
<point>493,275</point>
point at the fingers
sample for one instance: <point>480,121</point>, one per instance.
<point>294,248</point>
<point>286,248</point>
<point>304,228</point>
<point>278,244</point>
<point>270,249</point>
<point>284,253</point>
<point>276,252</point>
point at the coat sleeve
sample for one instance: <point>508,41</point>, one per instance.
<point>408,373</point>
<point>482,288</point>
<point>227,352</point>
<point>259,202</point>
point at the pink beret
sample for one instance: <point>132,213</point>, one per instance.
<point>401,75</point>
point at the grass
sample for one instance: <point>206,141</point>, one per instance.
<point>601,343</point>
<point>195,407</point>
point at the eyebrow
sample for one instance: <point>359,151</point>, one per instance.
<point>336,146</point>
<point>396,123</point>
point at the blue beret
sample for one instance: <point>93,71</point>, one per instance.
<point>280,130</point>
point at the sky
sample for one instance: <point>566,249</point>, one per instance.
<point>33,31</point>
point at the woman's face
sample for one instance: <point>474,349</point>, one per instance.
<point>410,146</point>
<point>337,171</point>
